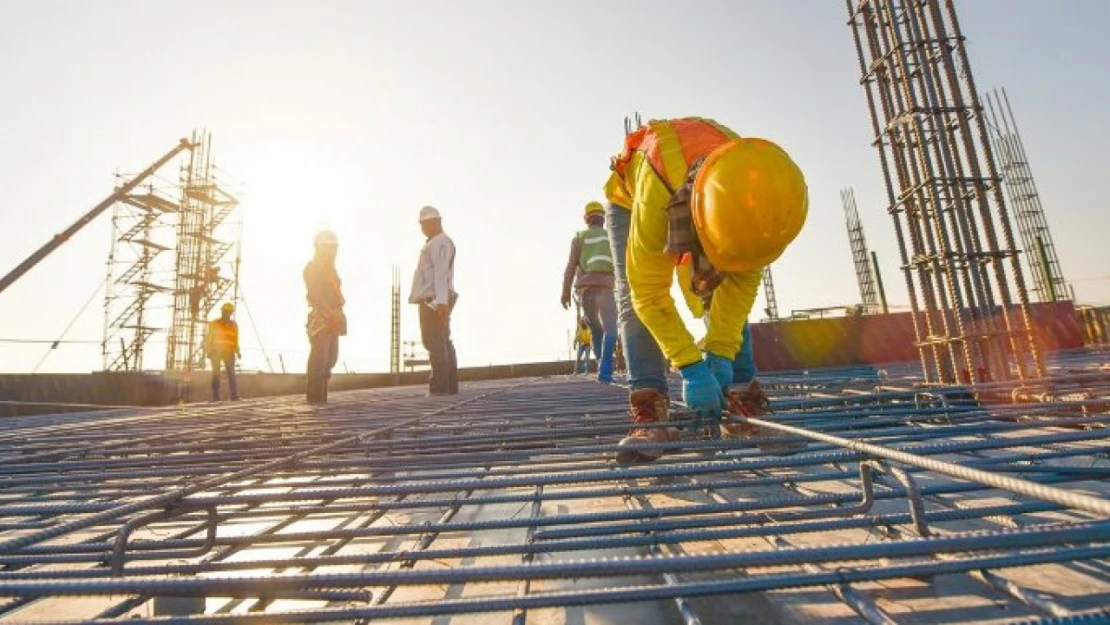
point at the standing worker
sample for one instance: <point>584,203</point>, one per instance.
<point>433,290</point>
<point>326,320</point>
<point>691,196</point>
<point>221,345</point>
<point>590,268</point>
<point>583,344</point>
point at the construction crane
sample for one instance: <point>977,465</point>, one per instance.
<point>59,239</point>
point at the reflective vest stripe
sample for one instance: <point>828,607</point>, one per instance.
<point>594,254</point>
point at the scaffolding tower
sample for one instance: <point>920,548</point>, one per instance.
<point>170,261</point>
<point>1017,177</point>
<point>861,256</point>
<point>772,309</point>
<point>205,270</point>
<point>964,278</point>
<point>135,294</point>
<point>395,323</point>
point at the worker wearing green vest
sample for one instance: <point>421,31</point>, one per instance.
<point>590,270</point>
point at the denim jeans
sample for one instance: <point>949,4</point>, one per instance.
<point>323,354</point>
<point>600,310</point>
<point>582,359</point>
<point>436,336</point>
<point>647,367</point>
<point>228,362</point>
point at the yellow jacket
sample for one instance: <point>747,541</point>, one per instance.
<point>654,163</point>
<point>583,337</point>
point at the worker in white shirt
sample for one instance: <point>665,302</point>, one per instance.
<point>433,290</point>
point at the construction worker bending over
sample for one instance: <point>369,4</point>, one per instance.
<point>690,196</point>
<point>326,320</point>
<point>221,345</point>
<point>590,268</point>
<point>433,290</point>
<point>583,345</point>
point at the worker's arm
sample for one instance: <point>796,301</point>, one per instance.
<point>235,336</point>
<point>441,266</point>
<point>729,310</point>
<point>313,286</point>
<point>651,269</point>
<point>571,270</point>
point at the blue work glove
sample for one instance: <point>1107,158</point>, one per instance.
<point>700,390</point>
<point>721,368</point>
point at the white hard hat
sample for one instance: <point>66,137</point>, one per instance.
<point>326,237</point>
<point>429,212</point>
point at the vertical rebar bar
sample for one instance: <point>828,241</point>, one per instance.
<point>879,282</point>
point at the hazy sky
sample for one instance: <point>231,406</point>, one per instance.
<point>352,115</point>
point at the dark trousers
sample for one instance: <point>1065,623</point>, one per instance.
<point>323,355</point>
<point>228,362</point>
<point>436,335</point>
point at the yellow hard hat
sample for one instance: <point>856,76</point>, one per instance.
<point>228,307</point>
<point>749,202</point>
<point>593,208</point>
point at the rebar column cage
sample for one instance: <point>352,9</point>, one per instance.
<point>205,269</point>
<point>395,322</point>
<point>861,257</point>
<point>966,288</point>
<point>772,309</point>
<point>1036,239</point>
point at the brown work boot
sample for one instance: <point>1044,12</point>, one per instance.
<point>749,400</point>
<point>647,406</point>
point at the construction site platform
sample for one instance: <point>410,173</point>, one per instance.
<point>900,504</point>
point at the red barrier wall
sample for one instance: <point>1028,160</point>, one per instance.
<point>878,339</point>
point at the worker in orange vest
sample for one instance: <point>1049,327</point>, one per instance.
<point>691,197</point>
<point>326,320</point>
<point>221,344</point>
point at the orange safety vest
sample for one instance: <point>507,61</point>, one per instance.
<point>696,137</point>
<point>223,338</point>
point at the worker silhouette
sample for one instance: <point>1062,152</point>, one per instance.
<point>221,345</point>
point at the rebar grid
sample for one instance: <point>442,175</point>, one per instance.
<point>505,502</point>
<point>966,287</point>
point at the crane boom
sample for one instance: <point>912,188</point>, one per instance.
<point>60,238</point>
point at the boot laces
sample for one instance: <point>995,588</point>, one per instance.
<point>643,413</point>
<point>749,402</point>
